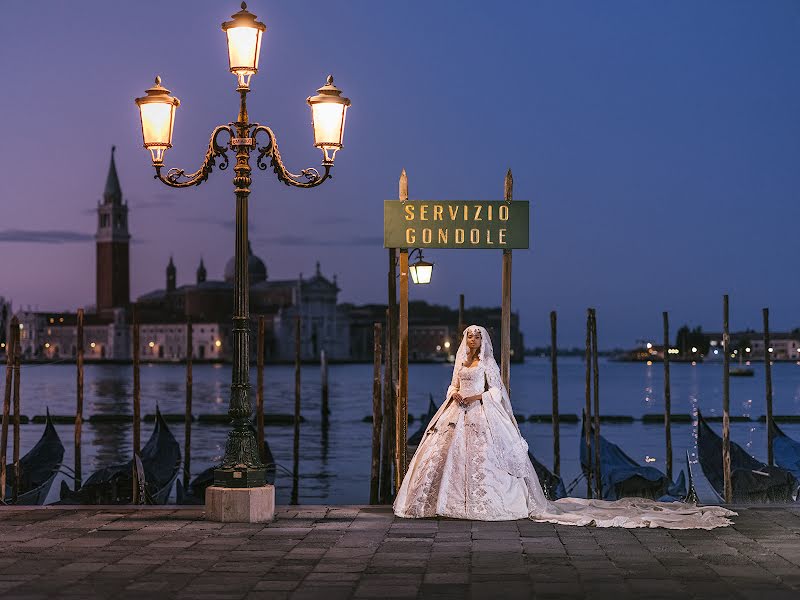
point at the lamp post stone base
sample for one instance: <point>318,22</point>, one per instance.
<point>240,505</point>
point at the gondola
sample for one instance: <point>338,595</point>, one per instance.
<point>416,438</point>
<point>552,484</point>
<point>752,481</point>
<point>623,477</point>
<point>38,468</point>
<point>161,460</point>
<point>786,450</point>
<point>196,493</point>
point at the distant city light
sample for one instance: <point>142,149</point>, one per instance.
<point>716,351</point>
<point>61,320</point>
<point>694,349</point>
<point>770,349</point>
<point>748,350</point>
<point>93,344</point>
<point>218,343</point>
<point>694,364</point>
<point>151,344</point>
<point>47,345</point>
<point>447,344</point>
<point>21,326</point>
<point>649,459</point>
<point>438,348</point>
<point>2,344</point>
<point>649,363</point>
<point>649,345</point>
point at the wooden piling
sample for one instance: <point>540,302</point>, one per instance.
<point>587,411</point>
<point>10,345</point>
<point>260,387</point>
<point>296,445</point>
<point>377,417</point>
<point>726,403</point>
<point>79,404</point>
<point>667,399</point>
<point>505,311</point>
<point>17,363</point>
<point>401,408</point>
<point>187,418</point>
<point>388,417</point>
<point>323,367</point>
<point>461,316</point>
<point>136,383</point>
<point>768,382</point>
<point>554,378</point>
<point>596,379</point>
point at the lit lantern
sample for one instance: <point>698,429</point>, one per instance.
<point>244,45</point>
<point>328,111</point>
<point>421,271</point>
<point>157,113</point>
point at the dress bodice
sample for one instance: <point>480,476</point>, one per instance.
<point>472,380</point>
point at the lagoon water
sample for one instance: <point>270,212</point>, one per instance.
<point>334,465</point>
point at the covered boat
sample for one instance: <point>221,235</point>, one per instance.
<point>752,481</point>
<point>160,463</point>
<point>785,450</point>
<point>623,477</point>
<point>37,468</point>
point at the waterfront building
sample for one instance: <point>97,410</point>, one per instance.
<point>785,346</point>
<point>165,312</point>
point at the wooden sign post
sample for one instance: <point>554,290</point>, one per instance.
<point>477,224</point>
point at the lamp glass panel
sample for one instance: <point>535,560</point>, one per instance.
<point>328,123</point>
<point>157,123</point>
<point>421,274</point>
<point>244,44</point>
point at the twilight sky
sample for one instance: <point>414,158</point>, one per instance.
<point>659,144</point>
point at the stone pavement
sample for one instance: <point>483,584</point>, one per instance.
<point>365,552</point>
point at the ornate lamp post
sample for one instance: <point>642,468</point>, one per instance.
<point>241,468</point>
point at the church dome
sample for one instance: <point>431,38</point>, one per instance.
<point>255,267</point>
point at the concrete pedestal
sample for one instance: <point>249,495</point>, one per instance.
<point>240,505</point>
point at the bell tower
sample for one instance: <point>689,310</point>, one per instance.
<point>113,241</point>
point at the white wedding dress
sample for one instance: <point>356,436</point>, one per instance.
<point>472,463</point>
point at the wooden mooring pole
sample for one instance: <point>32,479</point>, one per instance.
<point>17,363</point>
<point>388,413</point>
<point>296,445</point>
<point>377,417</point>
<point>768,383</point>
<point>79,404</point>
<point>461,324</point>
<point>587,411</point>
<point>136,383</point>
<point>667,399</point>
<point>187,415</point>
<point>726,403</point>
<point>598,486</point>
<point>401,426</point>
<point>505,313</point>
<point>10,345</point>
<point>260,387</point>
<point>323,368</point>
<point>554,379</point>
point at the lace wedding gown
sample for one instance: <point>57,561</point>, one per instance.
<point>472,463</point>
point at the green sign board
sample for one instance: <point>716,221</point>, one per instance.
<point>456,224</point>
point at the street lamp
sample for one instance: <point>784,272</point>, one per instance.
<point>421,270</point>
<point>241,466</point>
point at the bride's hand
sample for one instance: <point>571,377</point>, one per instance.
<point>457,397</point>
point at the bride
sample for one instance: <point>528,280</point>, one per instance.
<point>472,463</point>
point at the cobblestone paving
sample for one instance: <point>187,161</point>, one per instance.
<point>365,552</point>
